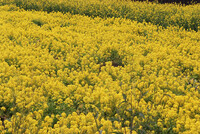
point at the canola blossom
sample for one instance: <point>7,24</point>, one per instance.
<point>165,15</point>
<point>66,73</point>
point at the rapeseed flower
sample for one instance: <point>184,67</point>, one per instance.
<point>71,73</point>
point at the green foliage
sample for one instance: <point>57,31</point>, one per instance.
<point>38,22</point>
<point>54,108</point>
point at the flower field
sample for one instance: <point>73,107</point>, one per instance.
<point>66,72</point>
<point>158,14</point>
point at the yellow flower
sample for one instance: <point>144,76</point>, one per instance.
<point>63,114</point>
<point>140,127</point>
<point>62,63</point>
<point>3,108</point>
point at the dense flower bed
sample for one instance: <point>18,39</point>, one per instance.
<point>166,15</point>
<point>64,73</point>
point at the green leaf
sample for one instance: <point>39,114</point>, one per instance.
<point>114,119</point>
<point>125,97</point>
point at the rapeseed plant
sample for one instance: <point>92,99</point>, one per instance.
<point>165,15</point>
<point>65,73</point>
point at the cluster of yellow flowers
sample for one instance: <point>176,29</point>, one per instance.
<point>64,73</point>
<point>158,14</point>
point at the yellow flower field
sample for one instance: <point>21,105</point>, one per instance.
<point>65,73</point>
<point>163,15</point>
